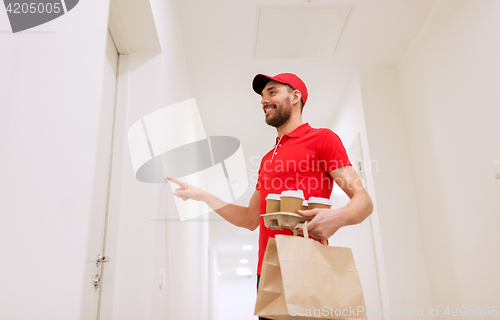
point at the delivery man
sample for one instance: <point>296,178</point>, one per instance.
<point>303,158</point>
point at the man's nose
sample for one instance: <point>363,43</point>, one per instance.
<point>264,101</point>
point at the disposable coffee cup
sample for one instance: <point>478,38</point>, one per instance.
<point>291,200</point>
<point>316,202</point>
<point>304,205</point>
<point>273,203</point>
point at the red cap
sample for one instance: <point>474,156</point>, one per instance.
<point>261,80</point>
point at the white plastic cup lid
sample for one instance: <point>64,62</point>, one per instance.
<point>324,201</point>
<point>304,203</point>
<point>293,193</point>
<point>273,196</point>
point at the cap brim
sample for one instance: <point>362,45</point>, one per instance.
<point>259,82</point>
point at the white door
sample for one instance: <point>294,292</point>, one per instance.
<point>53,200</point>
<point>360,239</point>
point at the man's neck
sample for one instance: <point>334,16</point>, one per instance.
<point>289,126</point>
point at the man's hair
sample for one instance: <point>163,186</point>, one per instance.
<point>290,90</point>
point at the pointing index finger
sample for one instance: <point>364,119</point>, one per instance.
<point>176,181</point>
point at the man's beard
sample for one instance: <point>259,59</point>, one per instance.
<point>281,115</point>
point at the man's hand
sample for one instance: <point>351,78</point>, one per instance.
<point>186,191</point>
<point>246,217</point>
<point>325,222</point>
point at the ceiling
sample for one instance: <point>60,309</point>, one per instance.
<point>220,39</point>
<point>311,31</point>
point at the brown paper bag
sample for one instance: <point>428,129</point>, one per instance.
<point>303,279</point>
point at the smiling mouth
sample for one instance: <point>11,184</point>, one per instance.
<point>268,109</point>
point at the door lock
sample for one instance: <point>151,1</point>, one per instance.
<point>97,281</point>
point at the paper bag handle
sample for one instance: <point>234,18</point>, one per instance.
<point>305,231</point>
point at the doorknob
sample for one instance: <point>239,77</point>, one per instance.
<point>99,258</point>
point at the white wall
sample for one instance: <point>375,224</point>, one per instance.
<point>396,205</point>
<point>135,249</point>
<point>151,234</point>
<point>449,90</point>
<point>50,113</point>
<point>368,251</point>
<point>187,242</point>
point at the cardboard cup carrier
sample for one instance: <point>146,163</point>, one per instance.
<point>282,210</point>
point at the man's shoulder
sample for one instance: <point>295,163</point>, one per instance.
<point>325,137</point>
<point>324,132</point>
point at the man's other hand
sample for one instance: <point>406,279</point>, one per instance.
<point>325,222</point>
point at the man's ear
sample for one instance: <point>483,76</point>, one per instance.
<point>296,96</point>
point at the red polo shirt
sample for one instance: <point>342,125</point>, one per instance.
<point>302,159</point>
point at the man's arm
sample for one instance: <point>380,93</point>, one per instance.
<point>327,221</point>
<point>246,217</point>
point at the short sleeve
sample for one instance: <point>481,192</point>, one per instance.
<point>332,153</point>
<point>257,186</point>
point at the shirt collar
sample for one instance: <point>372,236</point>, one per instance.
<point>297,132</point>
